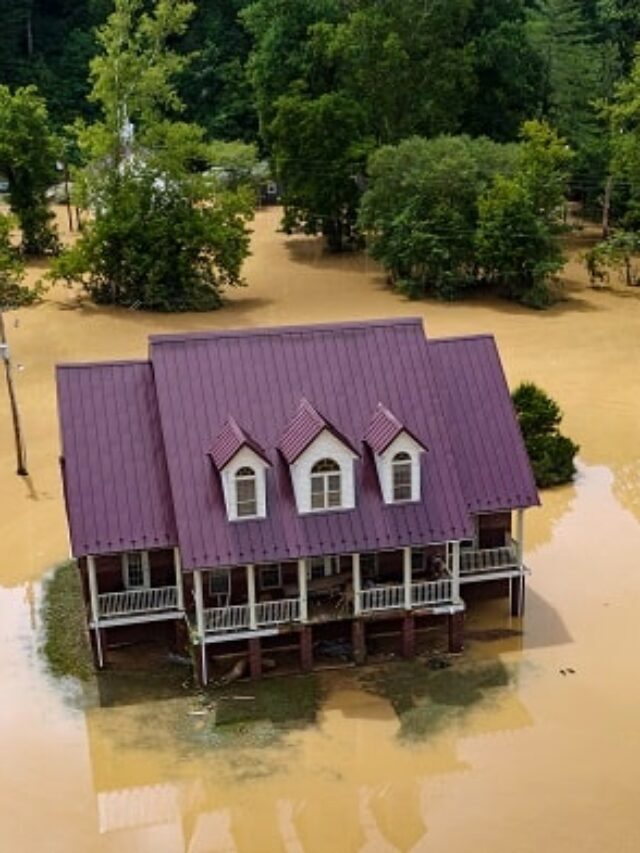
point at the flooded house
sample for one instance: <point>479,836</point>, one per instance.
<point>254,491</point>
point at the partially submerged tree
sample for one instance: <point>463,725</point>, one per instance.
<point>27,159</point>
<point>551,453</point>
<point>164,234</point>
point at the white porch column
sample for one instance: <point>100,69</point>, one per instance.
<point>177,565</point>
<point>197,590</point>
<point>520,538</point>
<point>302,589</point>
<point>406,576</point>
<point>95,609</point>
<point>357,585</point>
<point>251,596</point>
<point>455,570</point>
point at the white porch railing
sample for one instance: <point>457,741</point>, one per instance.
<point>232,618</point>
<point>381,598</point>
<point>132,601</point>
<point>477,560</point>
<point>278,612</point>
<point>428,593</point>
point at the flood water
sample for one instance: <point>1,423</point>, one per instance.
<point>546,761</point>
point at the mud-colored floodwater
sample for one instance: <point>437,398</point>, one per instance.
<point>545,761</point>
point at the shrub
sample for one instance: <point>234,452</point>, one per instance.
<point>551,453</point>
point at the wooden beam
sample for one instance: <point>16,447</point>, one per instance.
<point>177,564</point>
<point>95,608</point>
<point>251,593</point>
<point>302,589</point>
<point>357,583</point>
<point>406,577</point>
<point>197,588</point>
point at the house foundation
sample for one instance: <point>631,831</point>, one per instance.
<point>517,596</point>
<point>408,636</point>
<point>255,657</point>
<point>359,641</point>
<point>456,632</point>
<point>306,649</point>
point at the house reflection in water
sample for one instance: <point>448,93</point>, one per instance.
<point>347,783</point>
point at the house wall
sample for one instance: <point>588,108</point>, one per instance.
<point>492,529</point>
<point>325,446</point>
<point>109,571</point>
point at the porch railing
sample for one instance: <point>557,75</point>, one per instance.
<point>431,592</point>
<point>381,598</point>
<point>278,612</point>
<point>477,560</point>
<point>232,618</point>
<point>137,601</point>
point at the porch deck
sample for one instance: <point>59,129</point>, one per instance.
<point>484,564</point>
<point>149,604</point>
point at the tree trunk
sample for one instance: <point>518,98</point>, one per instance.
<point>606,206</point>
<point>21,451</point>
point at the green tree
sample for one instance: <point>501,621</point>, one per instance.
<point>165,235</point>
<point>319,151</point>
<point>419,211</point>
<point>551,454</point>
<point>27,158</point>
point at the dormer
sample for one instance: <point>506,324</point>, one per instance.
<point>321,462</point>
<point>397,455</point>
<point>242,465</point>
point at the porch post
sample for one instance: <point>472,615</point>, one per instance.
<point>177,565</point>
<point>197,588</point>
<point>355,558</point>
<point>517,584</point>
<point>455,570</point>
<point>520,537</point>
<point>302,589</point>
<point>251,595</point>
<point>95,610</point>
<point>406,573</point>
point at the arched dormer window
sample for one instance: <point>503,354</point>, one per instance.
<point>246,492</point>
<point>326,485</point>
<point>401,475</point>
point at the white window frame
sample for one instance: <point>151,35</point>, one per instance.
<point>324,478</point>
<point>146,571</point>
<point>418,559</point>
<point>245,458</point>
<point>216,593</point>
<point>404,463</point>
<point>324,446</point>
<point>271,567</point>
<point>240,477</point>
<point>403,443</point>
<point>330,565</point>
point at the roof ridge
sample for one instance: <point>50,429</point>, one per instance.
<point>276,331</point>
<point>451,339</point>
<point>122,362</point>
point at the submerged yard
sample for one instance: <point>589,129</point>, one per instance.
<point>528,741</point>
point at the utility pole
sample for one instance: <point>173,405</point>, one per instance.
<point>21,450</point>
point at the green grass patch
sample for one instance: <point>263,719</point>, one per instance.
<point>426,701</point>
<point>66,646</point>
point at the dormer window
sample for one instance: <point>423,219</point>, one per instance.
<point>246,493</point>
<point>326,485</point>
<point>401,474</point>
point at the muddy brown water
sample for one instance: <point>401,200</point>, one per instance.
<point>549,761</point>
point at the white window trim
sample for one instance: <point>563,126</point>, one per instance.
<point>396,463</point>
<point>403,443</point>
<point>325,446</point>
<point>245,458</point>
<point>270,568</point>
<point>323,477</point>
<point>253,478</point>
<point>218,573</point>
<point>146,571</point>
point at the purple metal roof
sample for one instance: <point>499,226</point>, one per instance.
<point>383,428</point>
<point>120,439</point>
<point>114,467</point>
<point>307,424</point>
<point>493,466</point>
<point>260,376</point>
<point>229,441</point>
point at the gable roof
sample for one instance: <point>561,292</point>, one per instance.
<point>137,439</point>
<point>491,459</point>
<point>115,476</point>
<point>383,429</point>
<point>229,441</point>
<point>303,429</point>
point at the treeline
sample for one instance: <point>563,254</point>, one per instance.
<point>430,128</point>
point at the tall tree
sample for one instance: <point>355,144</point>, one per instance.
<point>27,158</point>
<point>164,235</point>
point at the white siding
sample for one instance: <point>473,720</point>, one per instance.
<point>403,443</point>
<point>325,446</point>
<point>244,458</point>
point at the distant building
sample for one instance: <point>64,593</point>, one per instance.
<point>278,488</point>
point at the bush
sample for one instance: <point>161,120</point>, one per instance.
<point>551,454</point>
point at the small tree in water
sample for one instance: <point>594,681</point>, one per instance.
<point>551,453</point>
<point>164,235</point>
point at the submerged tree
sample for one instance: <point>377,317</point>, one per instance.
<point>13,294</point>
<point>551,454</point>
<point>165,234</point>
<point>27,159</point>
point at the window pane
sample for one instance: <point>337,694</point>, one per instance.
<point>135,571</point>
<point>401,481</point>
<point>246,497</point>
<point>270,576</point>
<point>219,582</point>
<point>317,499</point>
